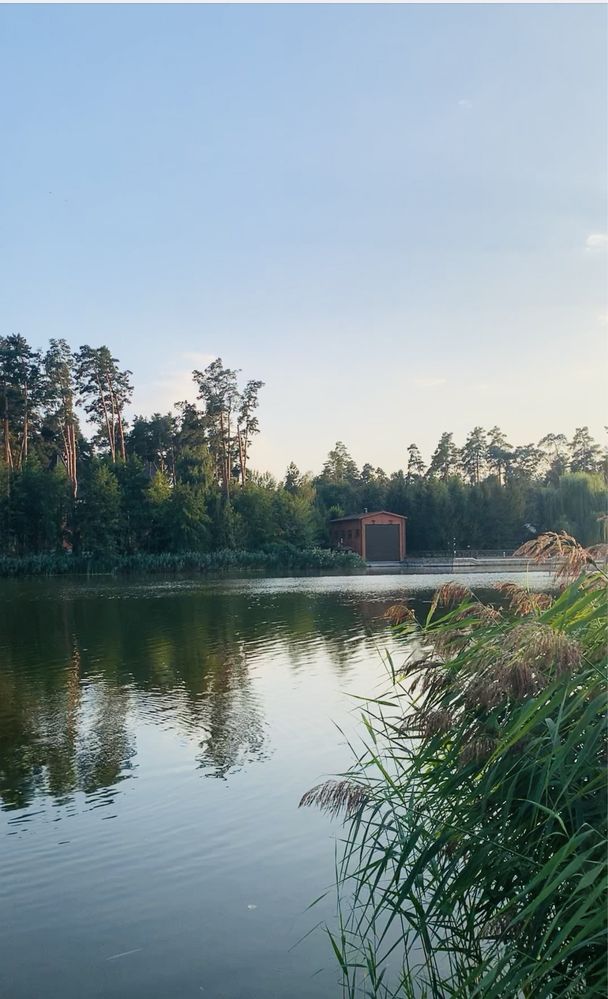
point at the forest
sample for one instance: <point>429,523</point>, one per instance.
<point>79,476</point>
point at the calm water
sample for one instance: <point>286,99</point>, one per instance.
<point>155,738</point>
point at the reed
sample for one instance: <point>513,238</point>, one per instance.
<point>274,558</point>
<point>474,860</point>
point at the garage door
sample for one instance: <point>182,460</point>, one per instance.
<point>382,542</point>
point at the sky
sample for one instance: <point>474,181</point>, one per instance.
<point>395,216</point>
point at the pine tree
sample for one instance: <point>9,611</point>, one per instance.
<point>339,466</point>
<point>586,454</point>
<point>474,455</point>
<point>556,452</point>
<point>105,391</point>
<point>20,397</point>
<point>248,423</point>
<point>230,420</point>
<point>293,479</point>
<point>59,397</point>
<point>499,453</point>
<point>415,465</point>
<point>445,459</point>
<point>526,462</point>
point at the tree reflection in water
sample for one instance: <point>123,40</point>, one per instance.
<point>80,665</point>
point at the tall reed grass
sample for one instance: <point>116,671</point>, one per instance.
<point>274,558</point>
<point>475,857</point>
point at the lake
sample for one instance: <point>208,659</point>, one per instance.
<point>155,739</point>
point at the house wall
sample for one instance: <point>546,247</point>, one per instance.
<point>348,534</point>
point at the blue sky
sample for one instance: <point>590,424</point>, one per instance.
<point>394,215</point>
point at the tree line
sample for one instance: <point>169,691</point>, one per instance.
<point>182,481</point>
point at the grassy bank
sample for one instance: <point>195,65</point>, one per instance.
<point>476,846</point>
<point>277,558</point>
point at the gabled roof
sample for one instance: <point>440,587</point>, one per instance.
<point>368,513</point>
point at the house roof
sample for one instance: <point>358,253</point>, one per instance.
<point>367,513</point>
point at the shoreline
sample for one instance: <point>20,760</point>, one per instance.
<point>222,565</point>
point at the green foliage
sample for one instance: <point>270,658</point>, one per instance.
<point>580,501</point>
<point>181,480</point>
<point>104,390</point>
<point>21,395</point>
<point>476,852</point>
<point>295,516</point>
<point>98,512</point>
<point>339,466</point>
<point>188,519</point>
<point>445,458</point>
<point>585,453</point>
<point>253,505</point>
<point>133,485</point>
<point>415,465</point>
<point>274,558</point>
<point>158,510</point>
<point>38,508</point>
<point>491,513</point>
<point>474,455</point>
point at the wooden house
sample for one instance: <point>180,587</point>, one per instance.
<point>377,537</point>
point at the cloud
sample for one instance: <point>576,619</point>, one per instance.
<point>597,241</point>
<point>465,103</point>
<point>603,319</point>
<point>198,359</point>
<point>176,385</point>
<point>429,382</point>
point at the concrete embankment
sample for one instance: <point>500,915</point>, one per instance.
<point>505,564</point>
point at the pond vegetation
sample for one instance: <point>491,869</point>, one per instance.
<point>476,846</point>
<point>273,558</point>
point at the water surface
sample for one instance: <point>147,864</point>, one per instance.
<point>155,738</point>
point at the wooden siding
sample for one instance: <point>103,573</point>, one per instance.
<point>349,532</point>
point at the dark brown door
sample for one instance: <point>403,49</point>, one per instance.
<point>382,543</point>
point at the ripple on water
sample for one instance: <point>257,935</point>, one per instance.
<point>155,739</point>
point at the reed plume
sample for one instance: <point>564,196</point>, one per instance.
<point>336,797</point>
<point>560,547</point>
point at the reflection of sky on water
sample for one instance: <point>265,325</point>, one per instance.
<point>83,664</point>
<point>115,700</point>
